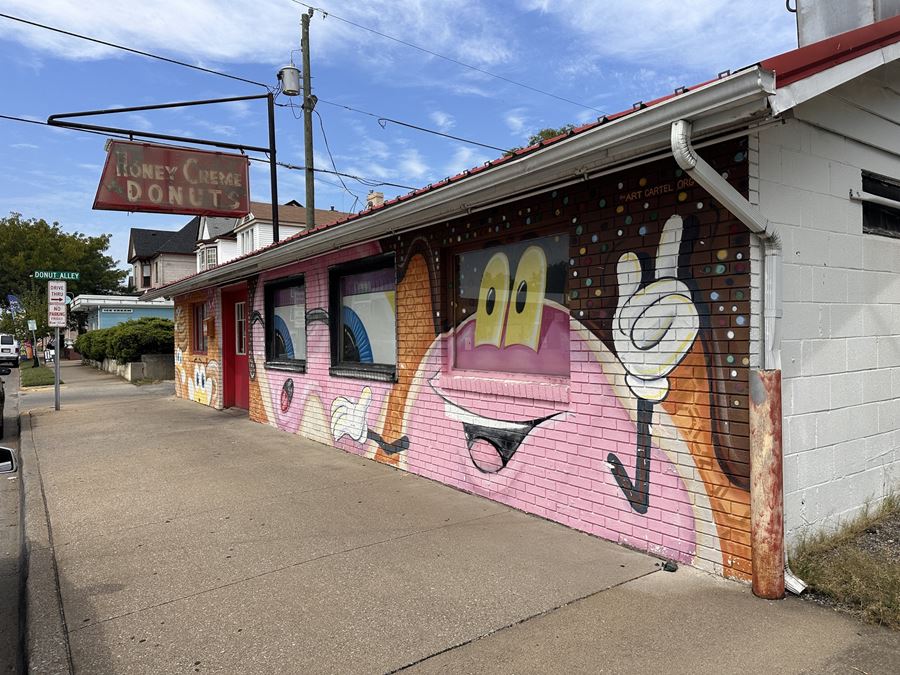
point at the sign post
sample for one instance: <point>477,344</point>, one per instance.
<point>56,318</point>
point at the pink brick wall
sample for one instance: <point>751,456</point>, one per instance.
<point>560,432</point>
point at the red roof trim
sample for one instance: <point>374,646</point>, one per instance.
<point>807,61</point>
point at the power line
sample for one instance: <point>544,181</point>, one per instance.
<point>447,58</point>
<point>371,182</point>
<point>134,51</point>
<point>383,121</point>
<point>331,157</point>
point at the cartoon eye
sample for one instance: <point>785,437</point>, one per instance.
<point>493,297</point>
<point>197,377</point>
<point>203,380</point>
<point>523,326</point>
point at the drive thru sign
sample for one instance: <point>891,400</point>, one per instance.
<point>56,304</point>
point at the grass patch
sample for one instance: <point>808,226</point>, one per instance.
<point>35,377</point>
<point>858,566</point>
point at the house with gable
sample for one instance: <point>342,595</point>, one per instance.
<point>159,257</point>
<point>675,327</point>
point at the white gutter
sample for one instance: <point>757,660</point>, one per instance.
<point>717,106</point>
<point>713,182</point>
<point>721,190</point>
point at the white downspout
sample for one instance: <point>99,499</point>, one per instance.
<point>770,333</point>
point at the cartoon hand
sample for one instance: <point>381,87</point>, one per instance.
<point>349,418</point>
<point>654,327</point>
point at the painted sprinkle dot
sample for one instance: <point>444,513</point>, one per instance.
<point>734,308</point>
<point>553,194</point>
<point>729,358</point>
<point>582,250</point>
<point>588,282</point>
<point>730,335</point>
<point>604,248</point>
<point>721,308</point>
<point>579,230</point>
<point>739,295</point>
<point>642,230</point>
<point>741,320</point>
<point>642,182</point>
<point>581,313</point>
<point>699,205</point>
<point>557,212</point>
<point>602,203</point>
<point>736,403</point>
<point>646,205</point>
<point>620,209</point>
<point>598,292</point>
<point>678,172</point>
<point>621,185</point>
<point>734,373</point>
<point>571,261</point>
<point>739,256</point>
<point>682,196</point>
<point>725,175</point>
<point>594,238</point>
<point>720,269</point>
<point>654,215</point>
<point>722,254</point>
<point>628,220</point>
<point>714,295</point>
<point>573,295</point>
<point>528,221</point>
<point>745,361</point>
<point>565,200</point>
<point>574,273</point>
<point>574,220</point>
<point>707,269</point>
<point>619,233</point>
<point>739,157</point>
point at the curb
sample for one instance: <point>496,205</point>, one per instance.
<point>46,637</point>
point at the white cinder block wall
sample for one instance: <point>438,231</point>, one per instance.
<point>841,325</point>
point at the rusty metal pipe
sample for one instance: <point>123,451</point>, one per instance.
<point>766,485</point>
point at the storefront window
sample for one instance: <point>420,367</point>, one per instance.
<point>364,318</point>
<point>286,323</point>
<point>510,315</point>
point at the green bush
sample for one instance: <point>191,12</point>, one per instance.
<point>133,339</point>
<point>128,341</point>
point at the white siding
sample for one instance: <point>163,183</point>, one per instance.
<point>841,326</point>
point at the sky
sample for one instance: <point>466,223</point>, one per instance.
<point>601,56</point>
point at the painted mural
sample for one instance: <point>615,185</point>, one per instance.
<point>197,373</point>
<point>582,355</point>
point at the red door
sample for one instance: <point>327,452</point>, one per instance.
<point>235,348</point>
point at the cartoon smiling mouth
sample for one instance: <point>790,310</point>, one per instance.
<point>502,436</point>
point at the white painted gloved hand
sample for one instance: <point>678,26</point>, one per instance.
<point>654,327</point>
<point>348,417</point>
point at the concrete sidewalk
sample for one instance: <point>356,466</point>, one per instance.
<point>189,540</point>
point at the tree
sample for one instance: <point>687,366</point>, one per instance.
<point>545,134</point>
<point>29,244</point>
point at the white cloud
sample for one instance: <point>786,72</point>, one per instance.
<point>265,31</point>
<point>701,35</point>
<point>444,121</point>
<point>412,165</point>
<point>516,121</point>
<point>464,158</point>
<point>24,146</point>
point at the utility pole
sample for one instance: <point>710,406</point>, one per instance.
<point>309,102</point>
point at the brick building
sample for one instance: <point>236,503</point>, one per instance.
<point>576,329</point>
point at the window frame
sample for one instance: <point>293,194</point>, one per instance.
<point>450,262</point>
<point>240,329</point>
<point>199,337</point>
<point>269,290</point>
<point>363,371</point>
<point>880,186</point>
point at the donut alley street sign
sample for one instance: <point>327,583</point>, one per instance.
<point>155,178</point>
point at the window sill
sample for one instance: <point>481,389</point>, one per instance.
<point>360,372</point>
<point>298,367</point>
<point>541,389</point>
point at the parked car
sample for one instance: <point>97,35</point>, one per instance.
<point>3,371</point>
<point>9,350</point>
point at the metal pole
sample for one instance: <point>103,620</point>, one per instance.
<point>273,166</point>
<point>56,366</point>
<point>308,105</point>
